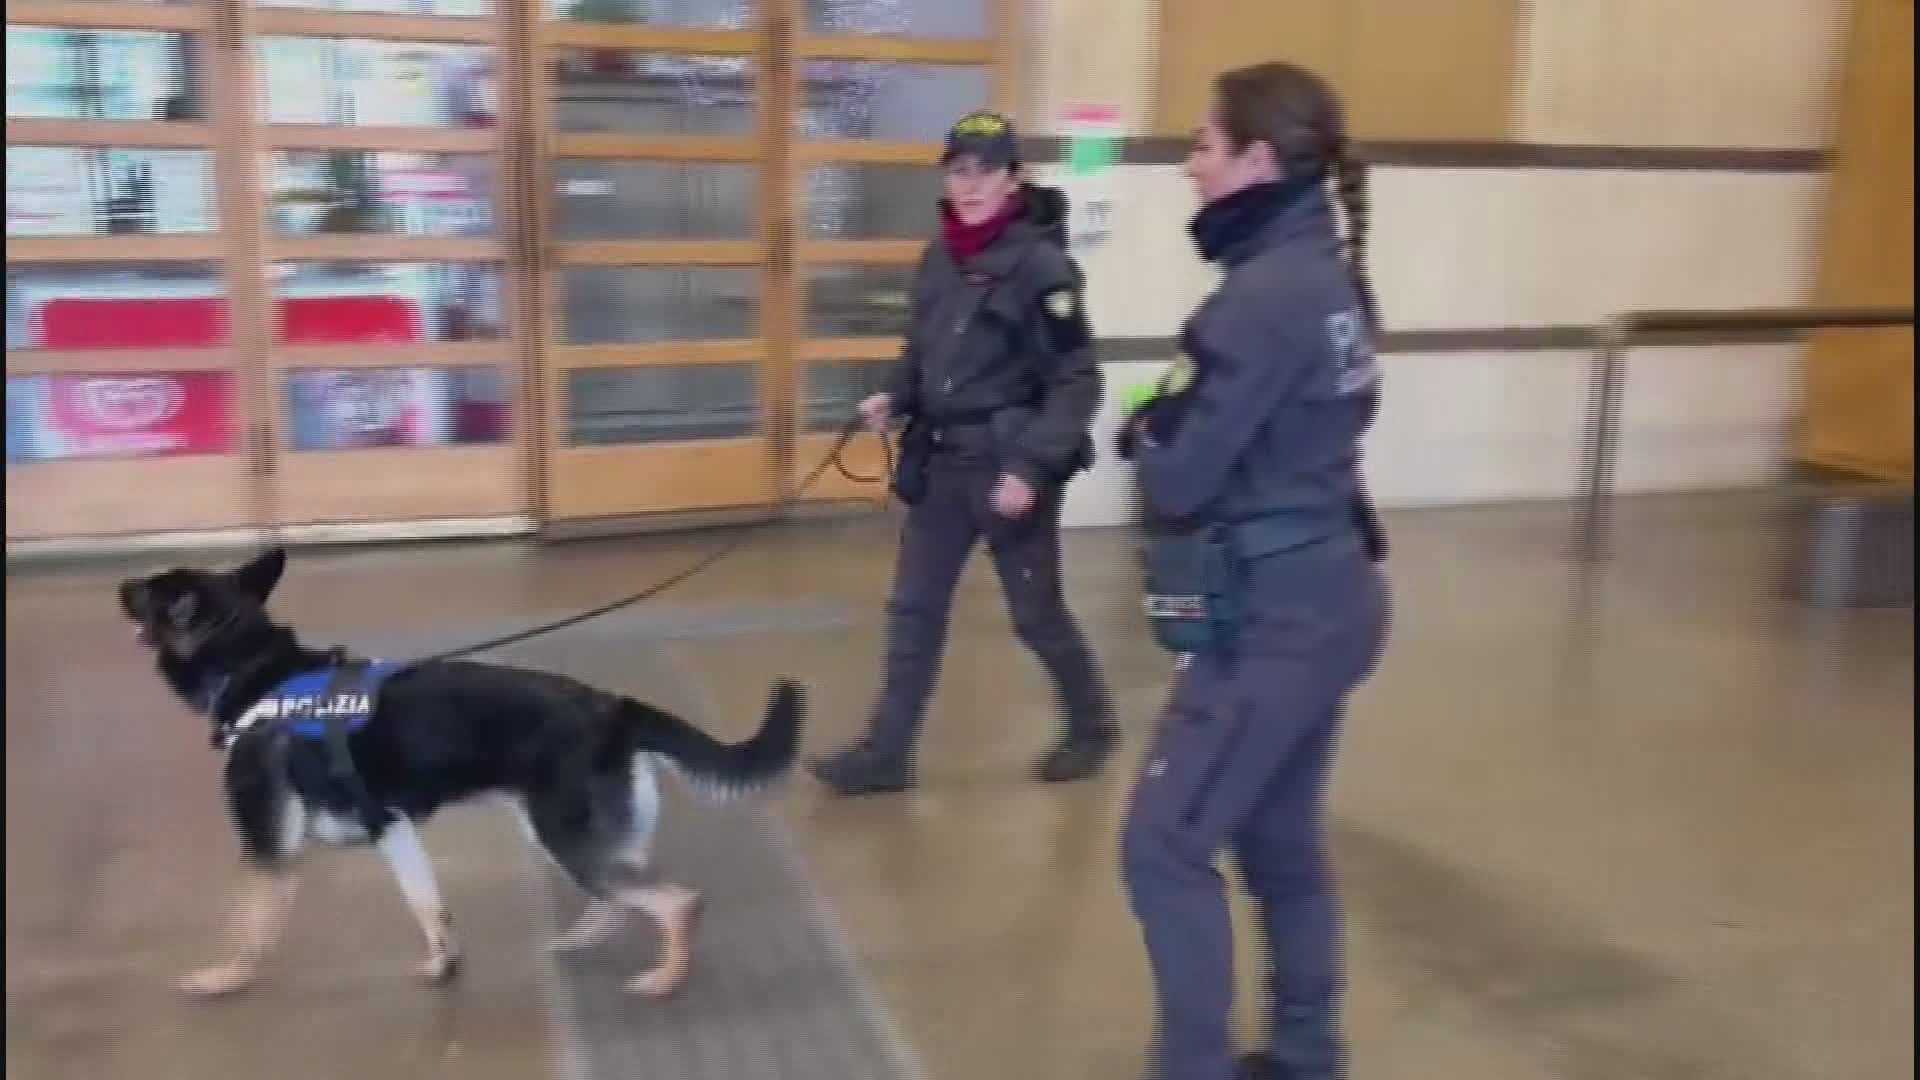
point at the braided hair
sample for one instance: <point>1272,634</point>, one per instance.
<point>1297,113</point>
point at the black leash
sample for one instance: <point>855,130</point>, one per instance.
<point>739,540</point>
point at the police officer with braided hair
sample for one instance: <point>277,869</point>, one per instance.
<point>998,385</point>
<point>1262,572</point>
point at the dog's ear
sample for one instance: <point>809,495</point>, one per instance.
<point>257,578</point>
<point>182,610</point>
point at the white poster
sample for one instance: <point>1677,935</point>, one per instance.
<point>49,191</point>
<point>41,76</point>
<point>302,86</point>
<point>182,182</point>
<point>395,84</point>
<point>139,73</point>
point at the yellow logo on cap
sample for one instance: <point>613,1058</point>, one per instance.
<point>1060,303</point>
<point>980,124</point>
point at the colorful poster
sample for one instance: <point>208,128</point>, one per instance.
<point>435,200</point>
<point>149,414</point>
<point>1093,146</point>
<point>50,191</point>
<point>396,407</point>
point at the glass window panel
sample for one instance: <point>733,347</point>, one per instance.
<point>654,200</point>
<point>454,9</point>
<point>90,191</point>
<point>604,305</point>
<point>909,18</point>
<point>835,387</point>
<point>858,301</point>
<point>652,93</point>
<point>387,303</point>
<point>121,415</point>
<point>871,202</point>
<point>357,408</point>
<point>696,14</point>
<point>116,306</point>
<point>882,99</point>
<point>360,191</point>
<point>679,403</point>
<point>364,83</point>
<point>60,74</point>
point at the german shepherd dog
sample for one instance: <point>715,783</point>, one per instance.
<point>579,763</point>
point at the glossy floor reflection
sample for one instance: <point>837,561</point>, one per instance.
<point>1660,827</point>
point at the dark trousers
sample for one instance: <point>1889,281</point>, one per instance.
<point>940,533</point>
<point>1240,764</point>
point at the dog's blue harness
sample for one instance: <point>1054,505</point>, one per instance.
<point>326,705</point>
<point>312,704</point>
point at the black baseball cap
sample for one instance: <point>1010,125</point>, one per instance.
<point>987,136</point>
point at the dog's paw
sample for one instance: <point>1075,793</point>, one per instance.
<point>660,982</point>
<point>596,926</point>
<point>440,968</point>
<point>218,980</point>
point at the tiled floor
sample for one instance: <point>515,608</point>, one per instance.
<point>1660,828</point>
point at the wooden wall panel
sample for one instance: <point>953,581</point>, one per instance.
<point>1414,69</point>
<point>1751,73</point>
<point>1860,383</point>
<point>1201,38</point>
<point>1410,69</point>
<point>1097,51</point>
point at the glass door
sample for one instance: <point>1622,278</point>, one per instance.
<point>735,197</point>
<point>394,329</point>
<point>875,87</point>
<point>129,408</point>
<point>659,368</point>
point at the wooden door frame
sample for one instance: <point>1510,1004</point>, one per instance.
<point>91,496</point>
<point>779,47</point>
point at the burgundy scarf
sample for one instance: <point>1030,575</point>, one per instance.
<point>964,241</point>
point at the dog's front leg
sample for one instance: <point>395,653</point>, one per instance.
<point>407,857</point>
<point>258,920</point>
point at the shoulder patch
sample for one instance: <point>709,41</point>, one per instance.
<point>1065,314</point>
<point>1355,369</point>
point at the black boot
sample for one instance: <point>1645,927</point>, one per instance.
<point>1079,754</point>
<point>1262,1067</point>
<point>1257,1067</point>
<point>863,770</point>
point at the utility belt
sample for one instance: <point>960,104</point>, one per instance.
<point>927,434</point>
<point>1197,578</point>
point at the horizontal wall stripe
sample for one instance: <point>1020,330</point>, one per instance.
<point>1480,340</point>
<point>1166,150</point>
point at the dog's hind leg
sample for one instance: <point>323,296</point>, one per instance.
<point>585,845</point>
<point>674,908</point>
<point>634,803</point>
<point>407,857</point>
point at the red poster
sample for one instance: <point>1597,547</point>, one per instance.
<point>136,415</point>
<point>350,320</point>
<point>132,322</point>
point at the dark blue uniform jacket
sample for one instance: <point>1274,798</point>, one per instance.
<point>1284,384</point>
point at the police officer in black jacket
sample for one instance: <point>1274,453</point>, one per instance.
<point>1263,571</point>
<point>998,385</point>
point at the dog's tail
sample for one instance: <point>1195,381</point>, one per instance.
<point>717,770</point>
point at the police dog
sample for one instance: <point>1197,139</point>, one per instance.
<point>579,763</point>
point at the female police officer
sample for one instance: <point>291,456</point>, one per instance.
<point>998,384</point>
<point>1262,573</point>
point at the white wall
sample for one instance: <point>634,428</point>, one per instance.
<point>1492,248</point>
